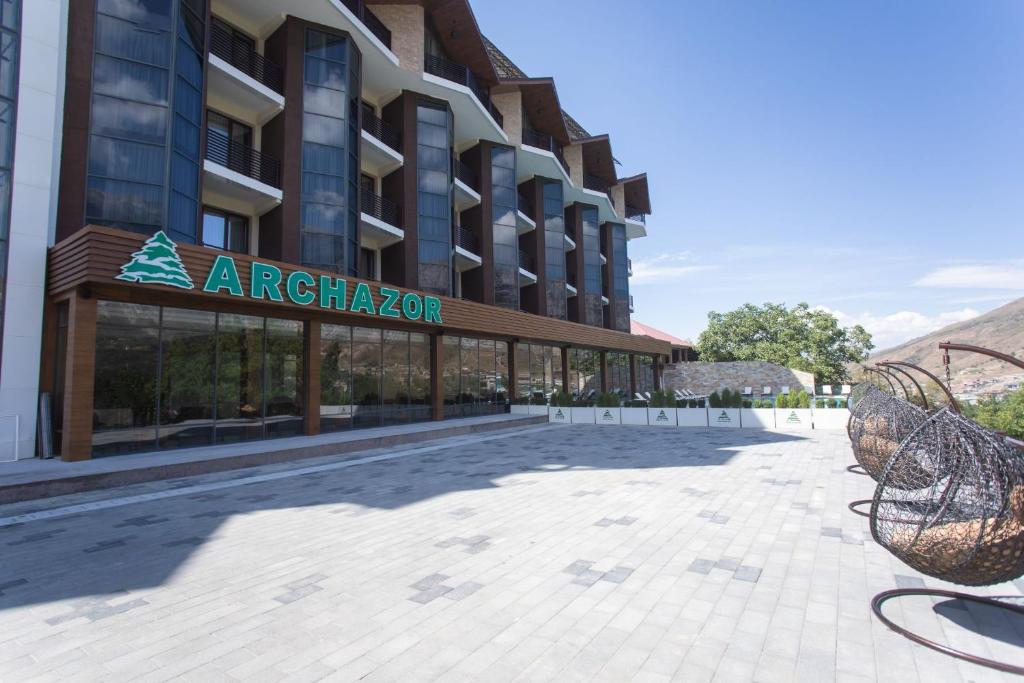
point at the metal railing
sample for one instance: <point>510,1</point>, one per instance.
<point>241,159</point>
<point>570,279</point>
<point>592,182</point>
<point>535,138</point>
<point>380,208</point>
<point>629,267</point>
<point>631,309</point>
<point>465,173</point>
<point>453,71</point>
<point>527,262</point>
<point>465,239</point>
<point>635,214</point>
<point>245,59</point>
<point>381,130</point>
<point>370,21</point>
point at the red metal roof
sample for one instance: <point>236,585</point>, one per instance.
<point>637,327</point>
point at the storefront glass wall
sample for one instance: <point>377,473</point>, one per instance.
<point>371,377</point>
<point>170,378</point>
<point>644,373</point>
<point>584,373</point>
<point>554,250</point>
<point>538,371</point>
<point>475,376</point>
<point>618,373</point>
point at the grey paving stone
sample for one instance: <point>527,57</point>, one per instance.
<point>577,567</point>
<point>108,544</point>
<point>903,581</point>
<point>831,532</point>
<point>145,520</point>
<point>463,590</point>
<point>432,593</point>
<point>428,582</point>
<point>9,585</point>
<point>745,573</point>
<point>727,563</point>
<point>588,577</point>
<point>618,574</point>
<point>701,566</point>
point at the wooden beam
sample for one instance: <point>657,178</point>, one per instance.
<point>76,442</point>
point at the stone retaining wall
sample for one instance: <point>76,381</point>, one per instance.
<point>704,378</point>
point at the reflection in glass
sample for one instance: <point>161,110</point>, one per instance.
<point>187,362</point>
<point>395,380</point>
<point>239,378</point>
<point>505,233</point>
<point>469,393</point>
<point>124,394</point>
<point>366,376</point>
<point>419,377</point>
<point>452,376</point>
<point>284,407</point>
<point>434,131</point>
<point>335,377</point>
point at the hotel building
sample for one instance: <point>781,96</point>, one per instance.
<point>245,219</point>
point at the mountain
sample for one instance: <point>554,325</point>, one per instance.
<point>1001,329</point>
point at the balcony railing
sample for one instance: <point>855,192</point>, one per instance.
<point>381,130</point>
<point>452,71</point>
<point>464,173</point>
<point>527,262</point>
<point>245,59</point>
<point>635,214</point>
<point>535,138</point>
<point>631,309</point>
<point>592,182</point>
<point>241,159</point>
<point>380,208</point>
<point>629,267</point>
<point>570,279</point>
<point>465,239</point>
<point>370,21</point>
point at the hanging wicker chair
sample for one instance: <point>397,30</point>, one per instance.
<point>877,428</point>
<point>967,525</point>
<point>857,395</point>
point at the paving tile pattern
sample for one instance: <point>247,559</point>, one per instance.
<point>563,553</point>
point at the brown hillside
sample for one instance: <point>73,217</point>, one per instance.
<point>1001,329</point>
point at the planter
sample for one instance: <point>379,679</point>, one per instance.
<point>757,418</point>
<point>559,415</point>
<point>831,418</point>
<point>519,410</point>
<point>609,416</point>
<point>634,416</point>
<point>728,418</point>
<point>793,418</point>
<point>583,416</point>
<point>538,410</point>
<point>692,417</point>
<point>661,417</point>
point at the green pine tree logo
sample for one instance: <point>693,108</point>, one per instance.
<point>157,263</point>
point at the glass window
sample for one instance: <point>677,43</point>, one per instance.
<point>488,381</point>
<point>469,394</point>
<point>188,354</point>
<point>284,377</point>
<point>452,376</point>
<point>222,230</point>
<point>124,393</point>
<point>554,250</point>
<point>592,281</point>
<point>523,387</point>
<point>434,131</point>
<point>239,377</point>
<point>419,377</point>
<point>501,381</point>
<point>335,377</point>
<point>330,194</point>
<point>138,108</point>
<point>505,234</point>
<point>10,26</point>
<point>366,376</point>
<point>396,377</point>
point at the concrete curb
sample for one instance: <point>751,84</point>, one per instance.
<point>62,486</point>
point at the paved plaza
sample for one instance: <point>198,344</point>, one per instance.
<point>551,553</point>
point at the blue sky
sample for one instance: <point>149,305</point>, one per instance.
<point>863,156</point>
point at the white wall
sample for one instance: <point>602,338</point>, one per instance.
<point>33,212</point>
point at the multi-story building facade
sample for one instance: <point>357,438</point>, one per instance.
<point>282,218</point>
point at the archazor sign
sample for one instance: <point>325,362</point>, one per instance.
<point>157,262</point>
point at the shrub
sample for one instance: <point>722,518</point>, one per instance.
<point>803,400</point>
<point>715,400</point>
<point>726,399</point>
<point>560,399</point>
<point>820,403</point>
<point>634,404</point>
<point>608,399</point>
<point>737,399</point>
<point>782,401</point>
<point>662,399</point>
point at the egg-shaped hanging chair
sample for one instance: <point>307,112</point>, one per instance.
<point>878,427</point>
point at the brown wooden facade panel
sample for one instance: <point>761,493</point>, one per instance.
<point>95,255</point>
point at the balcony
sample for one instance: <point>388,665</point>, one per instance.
<point>243,77</point>
<point>596,184</point>
<point>379,145</point>
<point>570,285</point>
<point>241,173</point>
<point>631,309</point>
<point>636,223</point>
<point>380,221</point>
<point>544,141</point>
<point>467,192</point>
<point>370,21</point>
<point>466,246</point>
<point>629,267</point>
<point>457,73</point>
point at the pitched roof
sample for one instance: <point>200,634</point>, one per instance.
<point>637,327</point>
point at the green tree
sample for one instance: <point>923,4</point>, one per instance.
<point>799,338</point>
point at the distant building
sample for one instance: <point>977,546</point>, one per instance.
<point>682,349</point>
